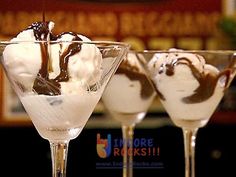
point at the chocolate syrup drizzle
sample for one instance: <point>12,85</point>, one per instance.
<point>42,83</point>
<point>207,81</point>
<point>133,73</point>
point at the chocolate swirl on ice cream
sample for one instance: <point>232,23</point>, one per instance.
<point>207,80</point>
<point>134,73</point>
<point>42,83</point>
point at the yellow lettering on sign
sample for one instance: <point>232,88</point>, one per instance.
<point>135,42</point>
<point>63,21</point>
<point>139,24</point>
<point>132,24</point>
<point>82,23</point>
<point>149,29</point>
<point>168,23</point>
<point>151,25</point>
<point>100,24</point>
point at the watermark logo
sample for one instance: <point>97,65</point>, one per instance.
<point>103,146</point>
<point>110,151</point>
<point>138,147</point>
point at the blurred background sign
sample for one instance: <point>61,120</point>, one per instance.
<point>145,24</point>
<point>149,24</point>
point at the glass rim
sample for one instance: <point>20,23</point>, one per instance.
<point>8,42</point>
<point>203,51</point>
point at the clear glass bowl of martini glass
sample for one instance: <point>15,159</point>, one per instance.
<point>127,98</point>
<point>59,84</point>
<point>190,85</point>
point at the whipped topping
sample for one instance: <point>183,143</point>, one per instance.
<point>52,68</point>
<point>190,73</point>
<point>187,86</point>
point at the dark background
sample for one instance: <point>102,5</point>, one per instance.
<point>25,153</point>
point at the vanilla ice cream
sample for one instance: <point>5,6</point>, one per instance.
<point>188,88</point>
<point>129,93</point>
<point>58,81</point>
<point>25,61</point>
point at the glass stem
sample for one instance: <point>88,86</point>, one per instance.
<point>127,133</point>
<point>59,151</point>
<point>189,150</point>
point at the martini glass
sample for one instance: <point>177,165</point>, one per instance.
<point>127,98</point>
<point>190,85</point>
<point>60,110</point>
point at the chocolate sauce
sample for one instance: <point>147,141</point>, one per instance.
<point>72,49</point>
<point>42,83</point>
<point>207,82</point>
<point>133,73</point>
<point>40,29</point>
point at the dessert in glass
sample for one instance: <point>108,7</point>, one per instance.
<point>127,98</point>
<point>59,80</point>
<point>190,85</point>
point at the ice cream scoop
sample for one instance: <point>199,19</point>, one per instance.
<point>129,93</point>
<point>187,86</point>
<point>52,68</point>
